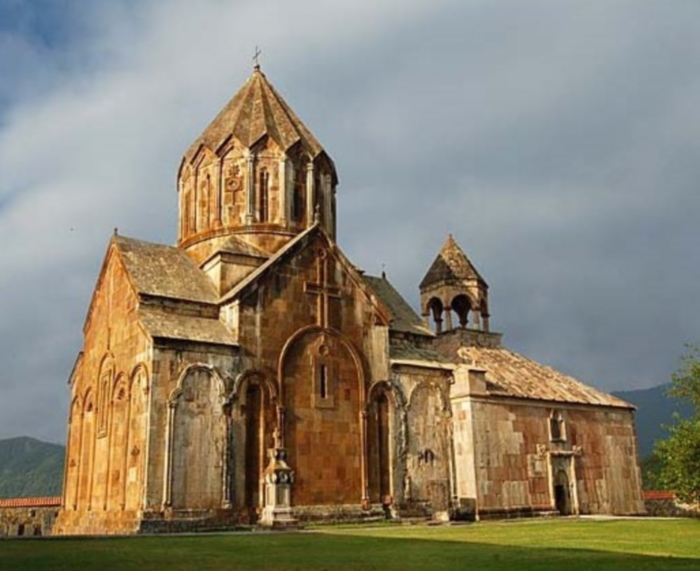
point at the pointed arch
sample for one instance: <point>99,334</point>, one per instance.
<point>105,380</point>
<point>118,419</point>
<point>88,435</point>
<point>73,455</point>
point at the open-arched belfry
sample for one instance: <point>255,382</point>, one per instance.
<point>253,374</point>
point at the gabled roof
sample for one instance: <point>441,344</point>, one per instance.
<point>451,264</point>
<point>164,271</point>
<point>510,374</point>
<point>167,325</point>
<point>255,111</point>
<point>254,276</point>
<point>294,246</point>
<point>403,318</point>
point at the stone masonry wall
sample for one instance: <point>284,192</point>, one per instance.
<point>109,390</point>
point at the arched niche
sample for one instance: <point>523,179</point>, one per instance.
<point>322,384</point>
<point>429,445</point>
<point>118,436</point>
<point>75,425</point>
<point>135,457</point>
<point>253,409</point>
<point>197,440</point>
<point>87,448</point>
<point>382,426</point>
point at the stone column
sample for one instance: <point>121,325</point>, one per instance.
<point>448,320</point>
<point>283,209</point>
<point>168,460</point>
<point>218,192</point>
<point>310,194</point>
<point>250,189</point>
<point>333,209</point>
<point>364,468</point>
<point>476,319</point>
<point>226,468</point>
<point>327,206</point>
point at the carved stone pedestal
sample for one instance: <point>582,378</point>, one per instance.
<point>277,513</point>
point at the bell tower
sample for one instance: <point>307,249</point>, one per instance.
<point>453,287</point>
<point>256,173</point>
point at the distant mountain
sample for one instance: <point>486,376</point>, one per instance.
<point>30,468</point>
<point>654,409</point>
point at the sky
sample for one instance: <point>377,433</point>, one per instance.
<point>557,140</point>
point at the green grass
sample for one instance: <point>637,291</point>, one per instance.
<point>562,545</point>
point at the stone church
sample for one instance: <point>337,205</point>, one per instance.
<point>252,373</point>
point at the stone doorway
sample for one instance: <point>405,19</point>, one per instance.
<point>562,493</point>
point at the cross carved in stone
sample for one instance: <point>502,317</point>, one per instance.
<point>322,289</point>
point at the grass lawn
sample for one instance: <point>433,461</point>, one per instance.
<point>562,545</point>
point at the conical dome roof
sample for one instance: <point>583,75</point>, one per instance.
<point>450,265</point>
<point>255,111</point>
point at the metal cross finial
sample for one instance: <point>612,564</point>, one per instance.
<point>256,57</point>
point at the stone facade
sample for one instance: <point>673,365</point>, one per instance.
<point>253,373</point>
<point>28,517</point>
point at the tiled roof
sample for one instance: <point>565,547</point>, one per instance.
<point>256,110</point>
<point>165,271</point>
<point>411,354</point>
<point>30,502</point>
<point>403,318</point>
<point>237,245</point>
<point>659,495</point>
<point>511,374</point>
<point>451,264</point>
<point>167,325</point>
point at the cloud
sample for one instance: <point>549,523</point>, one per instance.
<point>556,142</point>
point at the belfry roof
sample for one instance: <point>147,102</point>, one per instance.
<point>255,111</point>
<point>451,264</point>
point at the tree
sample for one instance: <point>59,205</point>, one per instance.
<point>679,454</point>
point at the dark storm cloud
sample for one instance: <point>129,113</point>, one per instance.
<point>556,141</point>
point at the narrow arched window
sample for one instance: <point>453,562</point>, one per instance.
<point>263,196</point>
<point>299,191</point>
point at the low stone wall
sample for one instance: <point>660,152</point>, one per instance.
<point>665,504</point>
<point>28,517</point>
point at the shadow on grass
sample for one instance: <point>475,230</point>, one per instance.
<point>304,551</point>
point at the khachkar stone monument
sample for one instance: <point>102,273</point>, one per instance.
<point>278,477</point>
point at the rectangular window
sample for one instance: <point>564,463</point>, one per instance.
<point>323,382</point>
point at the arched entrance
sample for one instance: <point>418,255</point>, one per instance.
<point>258,414</point>
<point>562,493</point>
<point>378,447</point>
